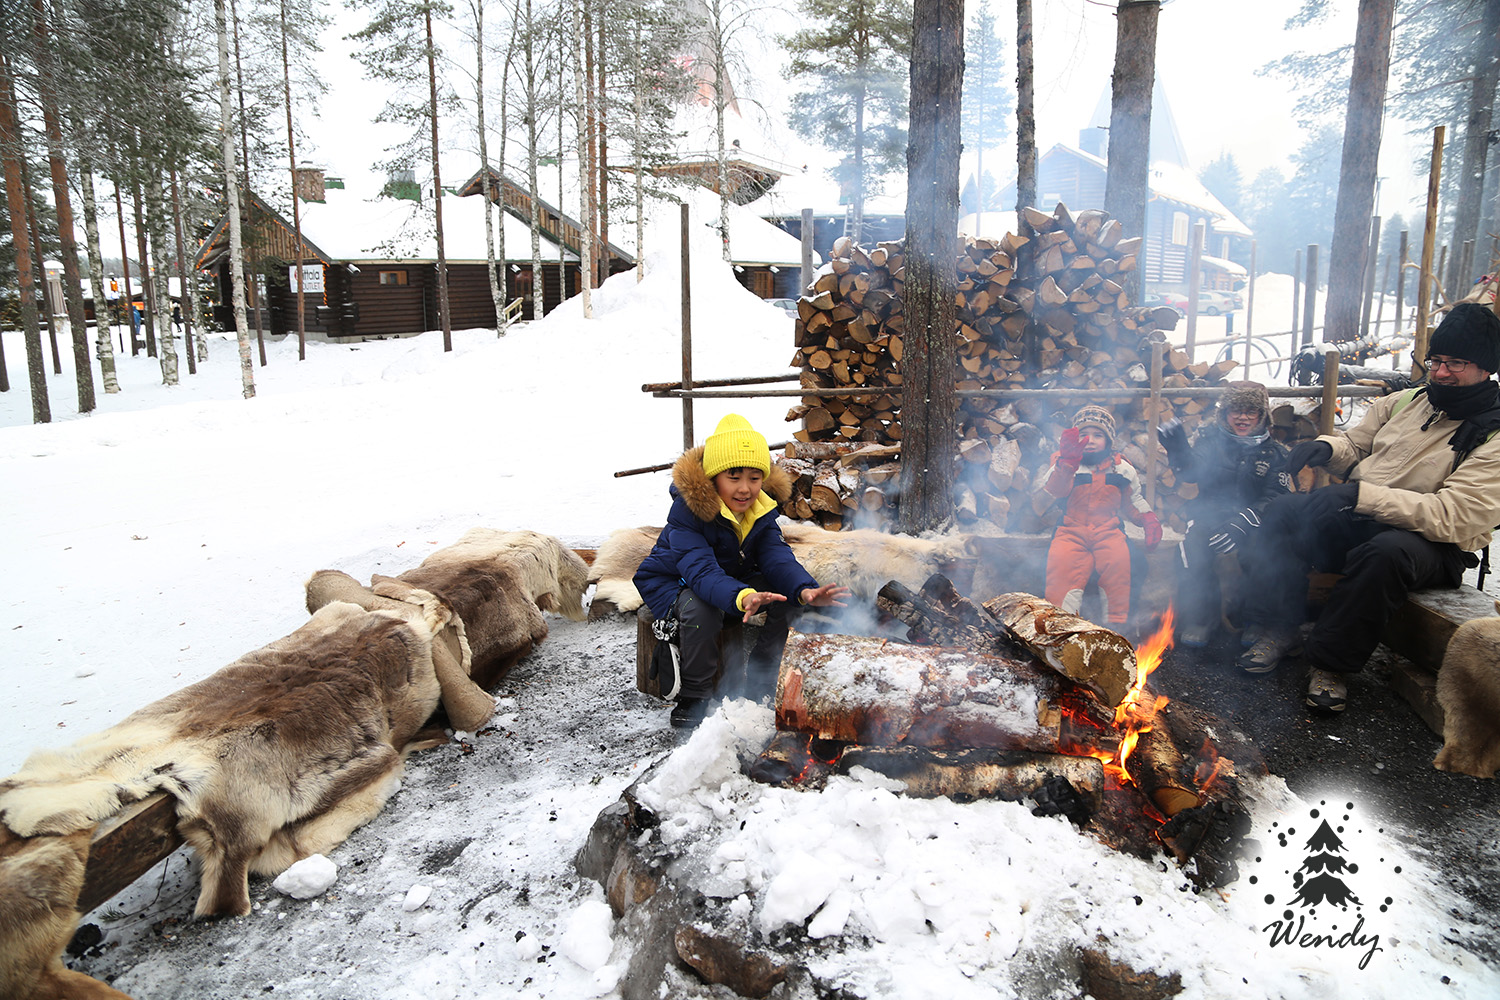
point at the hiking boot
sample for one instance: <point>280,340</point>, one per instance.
<point>1269,650</point>
<point>1251,634</point>
<point>1326,690</point>
<point>1194,636</point>
<point>688,712</point>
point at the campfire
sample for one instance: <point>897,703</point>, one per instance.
<point>1016,699</point>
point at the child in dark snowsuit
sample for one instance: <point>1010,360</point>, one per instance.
<point>1239,468</point>
<point>721,554</point>
<point>1094,486</point>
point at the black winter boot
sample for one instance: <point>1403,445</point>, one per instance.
<point>688,712</point>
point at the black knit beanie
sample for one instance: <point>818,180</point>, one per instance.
<point>1470,332</point>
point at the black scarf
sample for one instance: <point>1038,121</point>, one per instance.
<point>1478,406</point>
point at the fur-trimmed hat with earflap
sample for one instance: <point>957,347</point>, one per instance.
<point>1470,332</point>
<point>1096,416</point>
<point>734,444</point>
<point>1245,397</point>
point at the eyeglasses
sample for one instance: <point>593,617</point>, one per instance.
<point>1454,366</point>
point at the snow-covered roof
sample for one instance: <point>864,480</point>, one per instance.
<point>1227,266</point>
<point>350,225</point>
<point>1179,184</point>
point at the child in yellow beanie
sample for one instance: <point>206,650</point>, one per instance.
<point>720,554</point>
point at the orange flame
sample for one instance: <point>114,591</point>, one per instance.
<point>1135,714</point>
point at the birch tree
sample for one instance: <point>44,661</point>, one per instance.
<point>232,207</point>
<point>722,23</point>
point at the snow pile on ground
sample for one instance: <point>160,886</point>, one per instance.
<point>936,899</point>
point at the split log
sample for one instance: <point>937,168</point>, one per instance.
<point>941,616</point>
<point>875,691</point>
<point>1101,660</point>
<point>966,775</point>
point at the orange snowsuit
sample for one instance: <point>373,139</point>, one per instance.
<point>1090,534</point>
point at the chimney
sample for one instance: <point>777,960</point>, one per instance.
<point>1093,140</point>
<point>310,182</point>
<point>403,184</point>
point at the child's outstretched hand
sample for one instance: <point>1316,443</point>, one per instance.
<point>754,602</point>
<point>825,596</point>
<point>1070,448</point>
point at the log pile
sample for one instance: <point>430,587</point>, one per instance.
<point>1045,309</point>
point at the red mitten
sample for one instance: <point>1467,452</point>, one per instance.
<point>1152,524</point>
<point>1070,448</point>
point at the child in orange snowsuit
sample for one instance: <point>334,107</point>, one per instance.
<point>1094,486</point>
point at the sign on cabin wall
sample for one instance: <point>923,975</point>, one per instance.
<point>312,278</point>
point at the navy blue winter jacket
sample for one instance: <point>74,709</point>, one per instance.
<point>700,549</point>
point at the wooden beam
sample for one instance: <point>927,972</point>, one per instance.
<point>127,846</point>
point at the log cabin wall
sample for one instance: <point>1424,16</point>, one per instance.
<point>395,304</point>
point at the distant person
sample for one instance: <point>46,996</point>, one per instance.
<point>1092,487</point>
<point>1423,495</point>
<point>177,316</point>
<point>1238,468</point>
<point>720,557</point>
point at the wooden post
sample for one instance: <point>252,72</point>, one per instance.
<point>1401,283</point>
<point>1385,279</point>
<point>1369,282</point>
<point>1154,421</point>
<point>1330,403</point>
<point>807,249</point>
<point>1296,298</point>
<point>1429,237</point>
<point>1194,283</point>
<point>1249,308</point>
<point>687,331</point>
<point>1309,294</point>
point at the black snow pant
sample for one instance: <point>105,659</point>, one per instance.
<point>1199,598</point>
<point>704,636</point>
<point>1380,566</point>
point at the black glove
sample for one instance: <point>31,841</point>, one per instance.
<point>1234,532</point>
<point>1174,438</point>
<point>1308,453</point>
<point>1342,497</point>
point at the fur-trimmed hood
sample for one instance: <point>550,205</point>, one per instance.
<point>697,490</point>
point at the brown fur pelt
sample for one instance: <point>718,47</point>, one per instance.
<point>614,569</point>
<point>40,879</point>
<point>498,583</point>
<point>863,560</point>
<point>1468,688</point>
<point>276,757</point>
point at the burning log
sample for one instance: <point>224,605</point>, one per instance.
<point>940,615</point>
<point>1101,660</point>
<point>966,775</point>
<point>877,692</point>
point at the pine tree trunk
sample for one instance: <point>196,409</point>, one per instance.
<point>1356,198</point>
<point>437,187</point>
<point>1477,139</point>
<point>185,286</point>
<point>638,158</point>
<point>928,401</point>
<point>1127,184</point>
<point>72,283</point>
<point>148,314</point>
<point>1025,110</point>
<point>538,286</point>
<point>585,237</point>
<point>857,222</point>
<point>39,259</point>
<point>16,198</point>
<point>291,155</point>
<point>232,206</point>
<point>104,344</point>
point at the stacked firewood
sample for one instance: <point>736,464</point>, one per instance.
<point>1047,309</point>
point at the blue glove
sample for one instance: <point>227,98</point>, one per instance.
<point>1234,532</point>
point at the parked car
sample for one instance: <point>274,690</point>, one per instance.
<point>1214,303</point>
<point>1171,300</point>
<point>788,306</point>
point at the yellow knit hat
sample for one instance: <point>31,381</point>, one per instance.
<point>734,444</point>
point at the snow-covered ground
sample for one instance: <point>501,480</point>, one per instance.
<point>159,538</point>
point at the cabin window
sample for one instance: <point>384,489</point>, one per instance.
<point>393,277</point>
<point>1224,248</point>
<point>1180,228</point>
